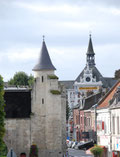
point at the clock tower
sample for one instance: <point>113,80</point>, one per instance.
<point>87,82</point>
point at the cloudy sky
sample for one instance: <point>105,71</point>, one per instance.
<point>66,25</point>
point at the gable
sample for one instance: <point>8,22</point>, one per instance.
<point>98,76</point>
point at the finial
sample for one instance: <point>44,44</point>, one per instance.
<point>90,34</point>
<point>43,37</point>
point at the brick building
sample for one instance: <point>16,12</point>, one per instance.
<point>84,123</point>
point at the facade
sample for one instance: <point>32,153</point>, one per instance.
<point>45,124</point>
<point>115,123</point>
<point>88,132</point>
<point>103,129</point>
<point>76,126</point>
<point>108,121</point>
<point>84,119</point>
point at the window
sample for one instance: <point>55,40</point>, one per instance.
<point>113,126</point>
<point>118,128</point>
<point>105,127</point>
<point>81,120</point>
<point>85,121</point>
<point>77,119</point>
<point>89,121</point>
<point>42,79</point>
<point>42,101</point>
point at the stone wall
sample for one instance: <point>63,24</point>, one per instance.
<point>47,125</point>
<point>18,135</point>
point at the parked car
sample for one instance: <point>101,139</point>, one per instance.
<point>86,145</point>
<point>78,144</point>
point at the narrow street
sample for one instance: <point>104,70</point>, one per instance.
<point>77,153</point>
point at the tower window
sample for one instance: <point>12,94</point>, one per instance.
<point>42,101</point>
<point>42,79</point>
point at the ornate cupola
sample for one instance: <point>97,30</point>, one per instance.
<point>90,54</point>
<point>44,62</point>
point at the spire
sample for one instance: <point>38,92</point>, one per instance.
<point>90,54</point>
<point>44,62</point>
<point>90,46</point>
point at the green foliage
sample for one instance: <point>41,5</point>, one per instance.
<point>2,114</point>
<point>4,150</point>
<point>67,111</point>
<point>57,92</point>
<point>52,77</point>
<point>33,151</point>
<point>30,80</point>
<point>117,74</point>
<point>97,151</point>
<point>21,79</point>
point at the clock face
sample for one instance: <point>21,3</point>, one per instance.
<point>88,79</point>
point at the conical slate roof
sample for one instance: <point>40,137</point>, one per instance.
<point>90,47</point>
<point>44,62</point>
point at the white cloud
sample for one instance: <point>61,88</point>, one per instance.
<point>22,54</point>
<point>65,8</point>
<point>66,25</point>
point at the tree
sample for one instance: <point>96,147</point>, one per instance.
<point>117,74</point>
<point>21,79</point>
<point>2,114</point>
<point>30,80</point>
<point>96,151</point>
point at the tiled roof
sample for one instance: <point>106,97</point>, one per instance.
<point>103,103</point>
<point>91,100</point>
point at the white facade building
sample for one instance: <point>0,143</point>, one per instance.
<point>108,121</point>
<point>103,129</point>
<point>115,123</point>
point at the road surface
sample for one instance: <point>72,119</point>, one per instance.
<point>77,153</point>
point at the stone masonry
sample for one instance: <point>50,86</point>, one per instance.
<point>46,126</point>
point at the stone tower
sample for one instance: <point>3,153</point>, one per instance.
<point>48,108</point>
